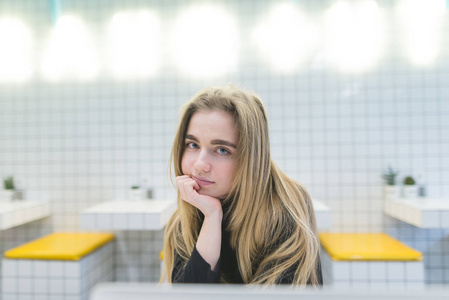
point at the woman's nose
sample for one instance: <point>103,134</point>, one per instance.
<point>202,163</point>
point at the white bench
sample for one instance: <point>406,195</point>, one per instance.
<point>58,266</point>
<point>369,260</point>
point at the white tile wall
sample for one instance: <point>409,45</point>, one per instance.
<point>78,144</point>
<point>372,274</point>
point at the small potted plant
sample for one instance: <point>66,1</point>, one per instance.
<point>391,190</point>
<point>9,190</point>
<point>410,189</point>
<point>135,193</point>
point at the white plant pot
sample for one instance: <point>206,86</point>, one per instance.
<point>391,192</point>
<point>410,191</point>
<point>8,195</point>
<point>135,194</point>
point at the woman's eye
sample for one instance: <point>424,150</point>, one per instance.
<point>222,151</point>
<point>192,145</point>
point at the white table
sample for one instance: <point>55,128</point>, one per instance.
<point>128,215</point>
<point>144,291</point>
<point>420,212</point>
<point>322,215</point>
<point>154,215</point>
<point>19,212</point>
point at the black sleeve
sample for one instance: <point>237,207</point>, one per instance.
<point>197,270</point>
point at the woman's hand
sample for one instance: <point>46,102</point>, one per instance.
<point>208,244</point>
<point>188,189</point>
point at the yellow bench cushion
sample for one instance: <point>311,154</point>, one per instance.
<point>367,246</point>
<point>60,246</point>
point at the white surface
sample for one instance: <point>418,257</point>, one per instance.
<point>154,215</point>
<point>420,212</point>
<point>128,215</point>
<point>322,214</point>
<point>19,212</point>
<point>140,291</point>
<point>372,274</point>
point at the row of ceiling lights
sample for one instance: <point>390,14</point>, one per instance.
<point>205,41</point>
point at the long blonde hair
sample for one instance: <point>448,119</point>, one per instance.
<point>271,218</point>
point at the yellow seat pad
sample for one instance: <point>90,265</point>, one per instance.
<point>60,246</point>
<point>367,246</point>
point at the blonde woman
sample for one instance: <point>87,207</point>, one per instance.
<point>239,219</point>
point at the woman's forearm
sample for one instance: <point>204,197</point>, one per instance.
<point>209,239</point>
<point>208,244</point>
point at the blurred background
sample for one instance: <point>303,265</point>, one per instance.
<point>90,92</point>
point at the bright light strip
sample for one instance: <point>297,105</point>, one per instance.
<point>70,52</point>
<point>421,21</point>
<point>134,44</point>
<point>285,38</point>
<point>204,42</point>
<point>355,35</point>
<point>15,51</point>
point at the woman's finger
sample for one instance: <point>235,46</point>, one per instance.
<point>184,178</point>
<point>187,188</point>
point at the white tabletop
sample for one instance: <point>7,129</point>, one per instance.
<point>425,203</point>
<point>18,212</point>
<point>128,215</point>
<point>143,291</point>
<point>130,206</point>
<point>154,215</point>
<point>420,212</point>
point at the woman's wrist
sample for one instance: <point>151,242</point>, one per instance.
<point>213,217</point>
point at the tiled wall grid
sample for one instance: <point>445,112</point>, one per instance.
<point>81,143</point>
<point>57,279</point>
<point>372,274</point>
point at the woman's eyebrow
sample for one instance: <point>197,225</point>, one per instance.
<point>223,142</point>
<point>191,137</point>
<point>213,142</point>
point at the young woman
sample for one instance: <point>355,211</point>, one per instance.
<point>240,219</point>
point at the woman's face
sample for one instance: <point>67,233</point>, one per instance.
<point>210,152</point>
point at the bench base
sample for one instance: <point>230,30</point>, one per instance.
<point>57,279</point>
<point>372,274</point>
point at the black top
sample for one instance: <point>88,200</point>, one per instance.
<point>198,270</point>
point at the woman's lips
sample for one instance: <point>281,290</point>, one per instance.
<point>201,181</point>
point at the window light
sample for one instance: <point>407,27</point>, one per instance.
<point>133,44</point>
<point>355,35</point>
<point>15,51</point>
<point>421,22</point>
<point>70,52</point>
<point>204,42</point>
<point>285,38</point>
